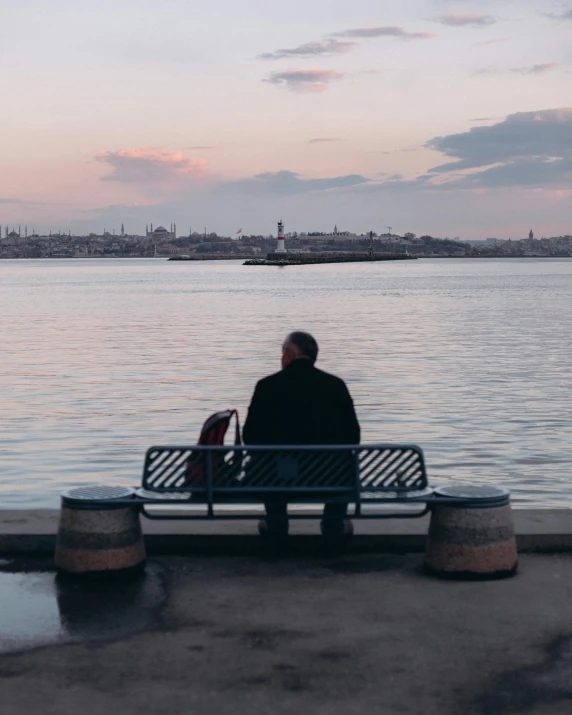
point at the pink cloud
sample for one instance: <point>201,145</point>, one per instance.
<point>313,81</point>
<point>148,164</point>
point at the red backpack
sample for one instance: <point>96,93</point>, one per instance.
<point>225,466</point>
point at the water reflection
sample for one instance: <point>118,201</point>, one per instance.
<point>29,616</point>
<point>40,609</point>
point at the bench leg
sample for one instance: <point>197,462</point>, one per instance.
<point>277,517</point>
<point>333,521</point>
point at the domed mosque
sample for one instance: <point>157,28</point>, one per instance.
<point>161,233</point>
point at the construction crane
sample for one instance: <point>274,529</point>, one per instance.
<point>389,230</point>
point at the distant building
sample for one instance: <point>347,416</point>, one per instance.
<point>335,235</point>
<point>160,234</point>
<point>530,235</point>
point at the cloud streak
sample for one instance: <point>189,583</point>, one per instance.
<point>525,149</point>
<point>562,16</point>
<point>536,69</point>
<point>286,183</point>
<point>471,19</point>
<point>384,31</point>
<point>307,81</point>
<point>311,49</point>
<point>324,140</point>
<point>486,43</point>
<point>526,70</point>
<point>148,165</point>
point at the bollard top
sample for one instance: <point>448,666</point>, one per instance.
<point>478,494</point>
<point>96,492</point>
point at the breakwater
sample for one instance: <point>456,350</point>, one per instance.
<point>303,259</point>
<point>208,257</point>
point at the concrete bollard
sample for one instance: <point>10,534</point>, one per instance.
<point>472,536</point>
<point>97,534</point>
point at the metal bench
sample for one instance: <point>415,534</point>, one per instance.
<point>215,476</point>
<point>470,532</point>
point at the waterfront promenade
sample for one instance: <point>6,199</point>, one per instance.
<point>213,626</point>
<point>356,634</point>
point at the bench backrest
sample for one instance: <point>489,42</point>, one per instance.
<point>367,467</point>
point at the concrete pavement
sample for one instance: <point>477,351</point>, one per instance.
<point>355,634</point>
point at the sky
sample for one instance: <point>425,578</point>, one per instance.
<point>440,117</point>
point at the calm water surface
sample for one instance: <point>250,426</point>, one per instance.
<point>99,359</point>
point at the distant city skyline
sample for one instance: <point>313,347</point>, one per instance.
<point>159,232</point>
<point>445,117</point>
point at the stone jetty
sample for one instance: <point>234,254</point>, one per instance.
<point>305,259</point>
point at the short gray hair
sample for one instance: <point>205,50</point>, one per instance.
<point>305,343</point>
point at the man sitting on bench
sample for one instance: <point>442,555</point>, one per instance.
<point>302,405</point>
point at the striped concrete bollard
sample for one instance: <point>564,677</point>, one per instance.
<point>472,535</point>
<point>98,534</point>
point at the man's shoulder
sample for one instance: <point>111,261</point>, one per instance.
<point>329,378</point>
<point>284,377</point>
<point>269,380</point>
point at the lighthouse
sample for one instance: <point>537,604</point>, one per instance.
<point>280,238</point>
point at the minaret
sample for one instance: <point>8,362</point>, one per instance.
<point>174,230</point>
<point>122,230</point>
<point>280,238</point>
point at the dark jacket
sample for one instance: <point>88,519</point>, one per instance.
<point>301,405</point>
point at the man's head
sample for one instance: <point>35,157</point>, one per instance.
<point>299,345</point>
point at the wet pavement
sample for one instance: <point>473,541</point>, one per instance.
<point>41,608</point>
<point>541,685</point>
<point>360,634</point>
